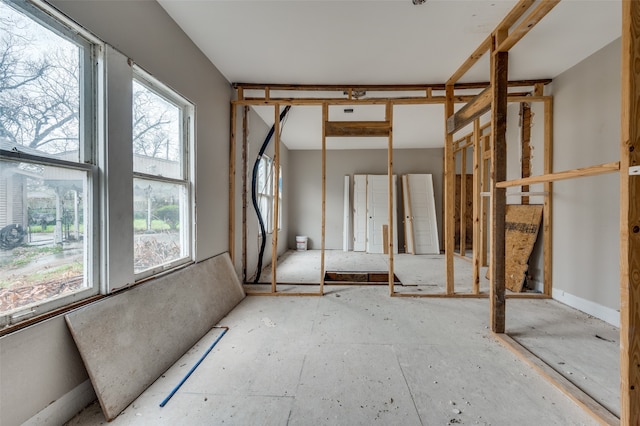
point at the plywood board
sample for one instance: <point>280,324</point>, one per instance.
<point>522,225</point>
<point>128,340</point>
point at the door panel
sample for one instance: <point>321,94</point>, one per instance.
<point>378,212</point>
<point>423,210</point>
<point>359,212</point>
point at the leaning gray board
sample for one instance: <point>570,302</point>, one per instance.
<point>128,340</point>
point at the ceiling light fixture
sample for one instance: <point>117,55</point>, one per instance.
<point>419,2</point>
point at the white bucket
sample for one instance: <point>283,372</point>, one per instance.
<point>301,243</point>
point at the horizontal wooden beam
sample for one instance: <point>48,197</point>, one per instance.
<point>381,87</point>
<point>568,174</point>
<point>471,61</point>
<point>357,128</point>
<point>527,24</point>
<point>474,109</point>
<point>514,15</point>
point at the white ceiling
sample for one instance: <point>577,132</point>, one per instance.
<point>381,42</point>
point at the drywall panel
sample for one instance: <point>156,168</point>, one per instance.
<point>127,341</point>
<point>586,210</point>
<point>305,208</point>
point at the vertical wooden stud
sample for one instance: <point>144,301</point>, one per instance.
<point>232,185</point>
<point>547,209</point>
<point>499,83</point>
<point>525,143</point>
<point>630,217</point>
<point>449,191</point>
<point>477,199</point>
<point>325,117</point>
<point>463,202</point>
<point>276,199</point>
<point>245,169</point>
<point>486,184</point>
<point>391,191</point>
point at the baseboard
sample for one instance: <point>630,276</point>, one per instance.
<point>587,306</point>
<point>65,407</point>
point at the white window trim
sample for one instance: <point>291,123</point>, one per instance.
<point>187,170</point>
<point>90,109</point>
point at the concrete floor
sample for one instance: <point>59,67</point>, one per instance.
<point>419,274</point>
<point>357,356</point>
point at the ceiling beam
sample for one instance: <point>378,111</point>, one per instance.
<point>357,128</point>
<point>527,24</point>
<point>472,110</point>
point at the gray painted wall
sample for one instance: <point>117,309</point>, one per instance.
<point>305,196</point>
<point>586,210</point>
<point>40,365</point>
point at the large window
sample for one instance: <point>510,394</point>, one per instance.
<point>161,184</point>
<point>48,172</point>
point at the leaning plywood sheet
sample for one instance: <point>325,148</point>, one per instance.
<point>521,227</point>
<point>127,341</point>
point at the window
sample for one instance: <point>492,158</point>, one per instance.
<point>266,190</point>
<point>162,180</point>
<point>48,172</point>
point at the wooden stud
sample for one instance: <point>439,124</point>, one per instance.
<point>486,182</point>
<point>538,89</point>
<point>527,25</point>
<point>395,87</point>
<point>391,191</point>
<point>477,200</point>
<point>630,218</point>
<point>357,128</point>
<point>463,202</point>
<point>449,194</point>
<point>472,110</point>
<point>499,70</point>
<point>276,198</point>
<point>567,174</point>
<point>240,91</point>
<point>245,169</point>
<point>325,117</point>
<point>514,15</point>
<point>525,143</point>
<point>232,185</point>
<point>547,209</point>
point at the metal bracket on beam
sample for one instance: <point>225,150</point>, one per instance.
<point>635,170</point>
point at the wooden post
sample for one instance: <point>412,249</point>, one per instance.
<point>477,158</point>
<point>486,184</point>
<point>547,209</point>
<point>449,192</point>
<point>525,143</point>
<point>499,70</point>
<point>245,168</point>
<point>463,202</point>
<point>630,218</point>
<point>325,117</point>
<point>232,185</point>
<point>276,199</point>
<point>391,191</point>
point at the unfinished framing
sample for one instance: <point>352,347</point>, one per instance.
<point>489,155</point>
<point>502,39</point>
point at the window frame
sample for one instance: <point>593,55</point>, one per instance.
<point>187,169</point>
<point>90,140</point>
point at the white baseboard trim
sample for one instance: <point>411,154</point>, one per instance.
<point>64,408</point>
<point>587,306</point>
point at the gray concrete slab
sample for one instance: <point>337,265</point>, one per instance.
<point>355,357</point>
<point>127,341</point>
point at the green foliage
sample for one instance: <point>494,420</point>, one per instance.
<point>140,225</point>
<point>170,214</point>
